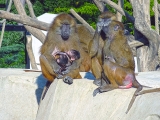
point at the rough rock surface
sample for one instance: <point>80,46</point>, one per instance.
<point>20,94</point>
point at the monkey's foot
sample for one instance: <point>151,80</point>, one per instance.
<point>68,80</point>
<point>96,91</point>
<point>97,82</point>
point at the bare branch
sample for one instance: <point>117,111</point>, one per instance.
<point>119,9</point>
<point>135,44</point>
<point>114,5</point>
<point>119,16</point>
<point>36,32</point>
<point>156,16</point>
<point>100,5</point>
<point>4,23</point>
<point>82,20</point>
<point>24,20</point>
<point>31,9</point>
<point>30,52</point>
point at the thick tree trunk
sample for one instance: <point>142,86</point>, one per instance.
<point>146,55</point>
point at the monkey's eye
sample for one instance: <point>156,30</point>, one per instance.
<point>116,27</point>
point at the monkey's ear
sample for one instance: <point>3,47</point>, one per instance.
<point>116,27</point>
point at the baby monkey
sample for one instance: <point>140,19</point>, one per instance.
<point>65,59</point>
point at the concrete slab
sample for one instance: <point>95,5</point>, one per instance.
<point>75,102</point>
<point>20,94</point>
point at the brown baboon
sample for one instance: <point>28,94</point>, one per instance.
<point>96,46</point>
<point>62,36</point>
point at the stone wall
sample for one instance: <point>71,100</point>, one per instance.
<point>20,94</point>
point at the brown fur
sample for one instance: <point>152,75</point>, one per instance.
<point>85,36</point>
<point>95,50</point>
<point>53,39</point>
<point>117,48</point>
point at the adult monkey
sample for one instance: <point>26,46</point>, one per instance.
<point>118,63</point>
<point>62,36</point>
<point>96,46</point>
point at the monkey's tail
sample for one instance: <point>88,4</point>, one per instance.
<point>131,102</point>
<point>136,93</point>
<point>149,91</point>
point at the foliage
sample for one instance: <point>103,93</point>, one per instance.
<point>38,8</point>
<point>87,11</point>
<point>12,53</point>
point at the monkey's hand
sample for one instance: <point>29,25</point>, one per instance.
<point>56,68</point>
<point>70,68</point>
<point>67,70</point>
<point>68,80</point>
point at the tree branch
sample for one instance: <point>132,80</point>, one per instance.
<point>30,7</point>
<point>100,5</point>
<point>30,52</point>
<point>36,32</point>
<point>25,20</point>
<point>119,9</point>
<point>82,21</point>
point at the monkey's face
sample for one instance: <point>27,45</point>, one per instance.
<point>102,24</point>
<point>64,25</point>
<point>113,29</point>
<point>74,54</point>
<point>65,31</point>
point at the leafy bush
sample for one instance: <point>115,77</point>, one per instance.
<point>12,53</point>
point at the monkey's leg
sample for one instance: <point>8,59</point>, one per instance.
<point>104,80</point>
<point>47,69</point>
<point>96,71</point>
<point>107,87</point>
<point>85,65</point>
<point>139,87</point>
<point>75,65</point>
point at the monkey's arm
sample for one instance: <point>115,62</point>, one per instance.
<point>50,64</point>
<point>94,44</point>
<point>74,65</point>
